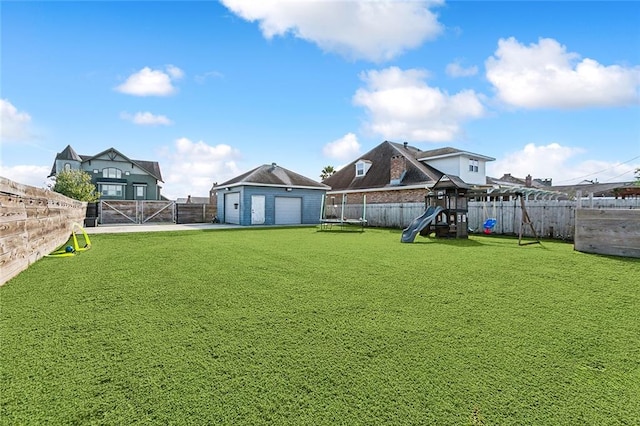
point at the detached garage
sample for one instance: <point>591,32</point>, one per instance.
<point>270,195</point>
<point>288,210</point>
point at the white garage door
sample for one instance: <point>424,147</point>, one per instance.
<point>232,208</point>
<point>288,211</point>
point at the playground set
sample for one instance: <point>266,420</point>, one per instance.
<point>446,212</point>
<point>72,246</point>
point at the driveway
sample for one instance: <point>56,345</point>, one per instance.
<point>155,227</point>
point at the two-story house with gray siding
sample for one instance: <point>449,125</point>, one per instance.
<point>116,176</point>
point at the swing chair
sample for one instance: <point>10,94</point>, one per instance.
<point>71,247</point>
<point>490,223</point>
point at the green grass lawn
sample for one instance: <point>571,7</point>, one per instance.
<point>295,326</point>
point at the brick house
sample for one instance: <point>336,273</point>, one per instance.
<point>399,173</point>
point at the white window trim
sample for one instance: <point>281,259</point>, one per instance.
<point>135,190</point>
<point>362,167</point>
<point>121,185</point>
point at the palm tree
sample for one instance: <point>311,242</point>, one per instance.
<point>326,172</point>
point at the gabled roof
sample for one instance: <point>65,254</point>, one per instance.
<point>507,180</point>
<point>273,175</point>
<point>451,181</point>
<point>151,167</point>
<point>378,174</point>
<point>449,152</point>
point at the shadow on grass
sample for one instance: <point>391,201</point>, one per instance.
<point>452,242</point>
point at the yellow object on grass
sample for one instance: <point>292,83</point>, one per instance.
<point>71,247</point>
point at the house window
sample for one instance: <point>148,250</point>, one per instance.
<point>111,190</point>
<point>362,167</point>
<point>140,191</point>
<point>473,165</point>
<point>112,172</point>
<point>67,167</point>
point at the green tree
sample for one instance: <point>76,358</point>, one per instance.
<point>76,184</point>
<point>326,172</point>
<point>638,176</point>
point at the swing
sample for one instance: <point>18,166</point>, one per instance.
<point>489,223</point>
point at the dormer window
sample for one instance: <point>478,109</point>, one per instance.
<point>362,166</point>
<point>473,165</point>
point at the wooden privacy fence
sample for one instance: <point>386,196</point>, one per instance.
<point>608,231</point>
<point>112,212</point>
<point>550,218</point>
<point>195,213</point>
<point>109,212</point>
<point>33,223</point>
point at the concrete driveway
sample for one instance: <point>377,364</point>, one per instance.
<point>156,227</point>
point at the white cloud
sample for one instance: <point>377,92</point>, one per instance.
<point>175,72</point>
<point>14,123</point>
<point>148,82</point>
<point>372,30</point>
<point>202,78</point>
<point>545,75</point>
<point>558,162</point>
<point>342,149</point>
<point>146,119</point>
<point>402,106</point>
<point>27,174</point>
<point>191,168</point>
<point>455,69</point>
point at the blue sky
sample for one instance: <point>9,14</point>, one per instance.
<point>213,89</point>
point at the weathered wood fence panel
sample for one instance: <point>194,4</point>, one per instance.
<point>388,215</point>
<point>33,223</point>
<point>195,213</point>
<point>111,212</point>
<point>550,218</point>
<point>608,231</point>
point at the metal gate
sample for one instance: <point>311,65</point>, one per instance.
<point>136,211</point>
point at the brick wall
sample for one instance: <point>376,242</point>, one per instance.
<point>397,168</point>
<point>379,197</point>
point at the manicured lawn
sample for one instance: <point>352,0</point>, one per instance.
<point>295,326</point>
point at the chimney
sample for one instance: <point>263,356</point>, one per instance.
<point>406,144</point>
<point>397,170</point>
<point>527,181</point>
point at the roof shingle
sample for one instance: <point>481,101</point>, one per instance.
<point>272,174</point>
